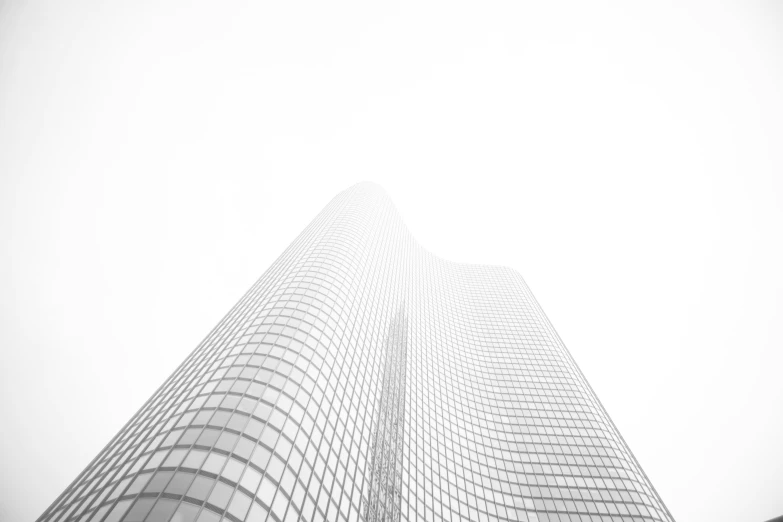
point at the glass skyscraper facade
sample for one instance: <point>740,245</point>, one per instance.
<point>362,378</point>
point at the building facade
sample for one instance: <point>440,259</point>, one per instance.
<point>362,378</point>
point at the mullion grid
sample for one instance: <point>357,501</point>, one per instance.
<point>331,494</point>
<point>499,421</point>
<point>545,383</point>
<point>202,352</point>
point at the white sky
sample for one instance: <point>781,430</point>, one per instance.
<point>156,156</point>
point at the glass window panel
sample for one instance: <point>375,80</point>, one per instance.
<point>208,516</point>
<point>237,421</point>
<point>283,448</point>
<point>194,459</point>
<point>275,468</point>
<point>208,437</point>
<point>220,418</point>
<point>230,402</point>
<point>270,437</point>
<point>190,436</point>
<point>220,495</point>
<point>138,484</point>
<point>226,441</point>
<point>162,511</point>
<point>233,470</point>
<point>156,459</point>
<point>250,479</point>
<point>262,411</point>
<point>158,482</point>
<point>139,510</point>
<point>201,487</point>
<point>239,505</point>
<point>175,458</point>
<point>256,513</point>
<point>172,438</point>
<point>247,405</point>
<point>260,457</point>
<point>185,513</point>
<point>214,463</point>
<point>254,428</point>
<point>244,448</point>
<point>180,483</point>
<point>280,505</point>
<point>266,492</point>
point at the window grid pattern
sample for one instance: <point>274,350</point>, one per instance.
<point>385,475</point>
<point>363,378</point>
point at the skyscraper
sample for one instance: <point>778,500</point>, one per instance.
<point>363,378</point>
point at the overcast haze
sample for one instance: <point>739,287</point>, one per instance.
<point>626,159</point>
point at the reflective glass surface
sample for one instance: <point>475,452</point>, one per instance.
<point>363,378</point>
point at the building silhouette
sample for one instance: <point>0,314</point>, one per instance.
<point>363,378</point>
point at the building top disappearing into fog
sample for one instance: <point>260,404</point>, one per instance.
<point>363,378</point>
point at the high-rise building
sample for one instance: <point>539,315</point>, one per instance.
<point>363,378</point>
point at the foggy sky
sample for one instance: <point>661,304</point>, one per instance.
<point>625,158</point>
